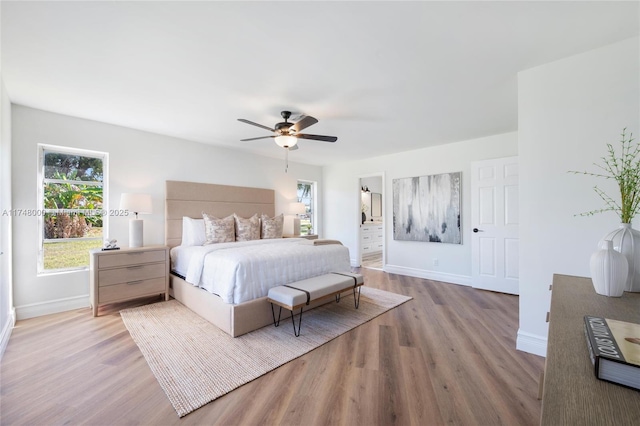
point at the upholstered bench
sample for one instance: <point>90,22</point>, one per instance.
<point>300,293</point>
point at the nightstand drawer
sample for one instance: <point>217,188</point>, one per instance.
<point>109,277</point>
<point>133,258</point>
<point>131,290</point>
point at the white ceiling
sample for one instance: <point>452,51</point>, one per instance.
<point>382,76</point>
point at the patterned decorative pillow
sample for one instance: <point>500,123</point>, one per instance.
<point>247,229</point>
<point>219,230</point>
<point>272,227</point>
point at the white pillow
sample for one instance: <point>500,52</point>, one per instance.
<point>192,232</point>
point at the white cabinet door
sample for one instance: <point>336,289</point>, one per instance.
<point>495,221</point>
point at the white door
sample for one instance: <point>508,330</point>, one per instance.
<point>495,220</point>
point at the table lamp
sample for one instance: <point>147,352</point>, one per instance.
<point>297,209</point>
<point>137,203</point>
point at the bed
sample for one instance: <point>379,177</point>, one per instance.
<point>237,311</point>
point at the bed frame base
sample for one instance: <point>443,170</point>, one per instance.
<point>235,320</point>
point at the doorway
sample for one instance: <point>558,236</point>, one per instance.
<point>372,221</point>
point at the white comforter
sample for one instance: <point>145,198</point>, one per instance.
<point>242,271</point>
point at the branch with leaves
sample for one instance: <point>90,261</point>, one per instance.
<point>625,170</point>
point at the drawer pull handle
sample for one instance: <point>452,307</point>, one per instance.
<point>135,267</point>
<point>135,253</point>
<point>134,282</point>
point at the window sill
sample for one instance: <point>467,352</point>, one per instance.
<point>62,271</point>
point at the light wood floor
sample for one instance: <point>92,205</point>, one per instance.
<point>372,261</point>
<point>446,357</point>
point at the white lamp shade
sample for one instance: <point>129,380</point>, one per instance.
<point>136,203</point>
<point>286,141</point>
<point>297,208</point>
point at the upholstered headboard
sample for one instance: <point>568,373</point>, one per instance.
<point>191,199</point>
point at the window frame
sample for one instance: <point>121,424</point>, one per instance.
<point>313,205</point>
<point>41,210</point>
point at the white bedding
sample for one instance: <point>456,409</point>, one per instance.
<point>243,271</point>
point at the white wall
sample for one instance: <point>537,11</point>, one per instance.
<point>342,204</point>
<point>138,162</point>
<point>567,111</point>
<point>374,183</point>
<point>7,313</point>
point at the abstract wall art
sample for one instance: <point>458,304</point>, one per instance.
<point>427,208</point>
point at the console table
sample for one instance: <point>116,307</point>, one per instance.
<point>572,395</point>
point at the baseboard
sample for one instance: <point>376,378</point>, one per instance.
<point>531,343</point>
<point>52,307</point>
<point>428,275</point>
<point>6,332</point>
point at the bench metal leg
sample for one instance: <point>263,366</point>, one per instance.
<point>338,297</point>
<point>297,333</point>
<point>356,300</point>
<point>276,323</point>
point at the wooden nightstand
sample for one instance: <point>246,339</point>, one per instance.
<point>308,237</point>
<point>128,273</point>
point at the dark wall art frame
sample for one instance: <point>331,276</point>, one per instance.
<point>427,208</point>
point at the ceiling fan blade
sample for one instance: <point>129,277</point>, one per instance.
<point>317,137</point>
<point>255,139</point>
<point>255,124</point>
<point>304,123</point>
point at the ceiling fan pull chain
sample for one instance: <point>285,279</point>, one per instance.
<point>286,160</point>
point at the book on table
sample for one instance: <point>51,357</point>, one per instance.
<point>614,348</point>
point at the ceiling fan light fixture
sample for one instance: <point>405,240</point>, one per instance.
<point>286,141</point>
<point>286,134</point>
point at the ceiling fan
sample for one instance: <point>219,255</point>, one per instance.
<point>286,134</point>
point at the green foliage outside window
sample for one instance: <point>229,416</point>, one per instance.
<point>305,195</point>
<point>80,167</point>
<point>73,209</point>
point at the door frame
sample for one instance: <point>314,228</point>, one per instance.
<point>385,216</point>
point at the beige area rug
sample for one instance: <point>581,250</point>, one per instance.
<point>195,362</point>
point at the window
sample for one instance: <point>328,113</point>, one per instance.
<point>71,206</point>
<point>307,195</point>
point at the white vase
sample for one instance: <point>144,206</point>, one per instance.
<point>626,240</point>
<point>609,271</point>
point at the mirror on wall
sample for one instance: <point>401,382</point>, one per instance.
<point>376,204</point>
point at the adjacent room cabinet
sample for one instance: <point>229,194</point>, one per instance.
<point>129,273</point>
<point>371,238</point>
